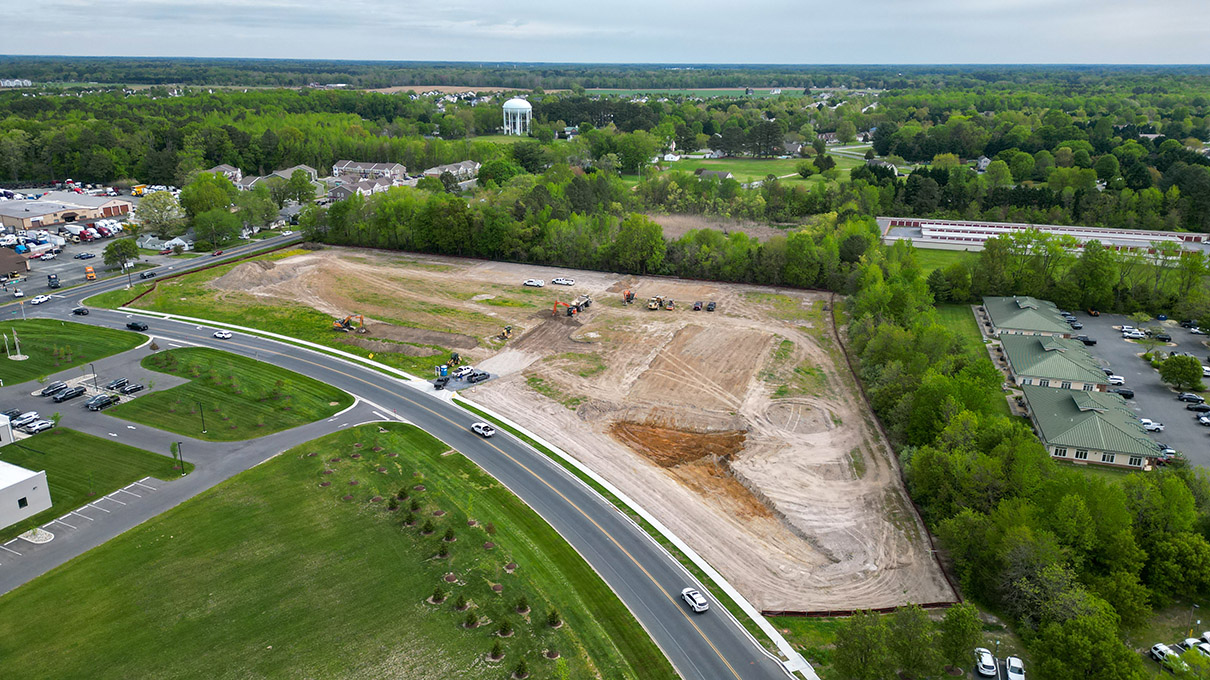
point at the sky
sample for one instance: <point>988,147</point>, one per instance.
<point>622,31</point>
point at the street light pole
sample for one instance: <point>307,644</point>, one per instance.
<point>180,453</point>
<point>94,376</point>
<point>202,411</point>
<point>1192,609</point>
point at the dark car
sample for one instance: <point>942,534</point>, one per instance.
<point>1076,325</point>
<point>52,388</point>
<point>1163,337</point>
<point>1086,340</point>
<point>116,383</point>
<point>1190,397</point>
<point>1189,324</point>
<point>1200,408</point>
<point>101,401</point>
<point>440,383</point>
<point>83,256</point>
<point>1108,371</point>
<point>137,326</point>
<point>69,393</point>
<point>146,275</point>
<point>1124,392</point>
<point>131,389</point>
<point>1093,312</point>
<point>80,311</point>
<point>11,413</point>
<point>709,306</point>
<point>478,376</point>
<point>697,306</point>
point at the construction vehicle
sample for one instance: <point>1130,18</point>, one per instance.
<point>345,325</point>
<point>583,302</point>
<point>628,298</point>
<point>669,304</point>
<point>52,280</point>
<point>656,302</point>
<point>455,360</point>
<point>138,189</point>
<point>90,274</point>
<point>506,333</point>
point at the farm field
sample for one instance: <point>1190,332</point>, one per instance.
<point>54,346</point>
<point>288,571</point>
<point>243,398</point>
<point>81,468</point>
<point>742,447</point>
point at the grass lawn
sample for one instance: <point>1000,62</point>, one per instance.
<point>243,398</point>
<point>189,295</point>
<point>81,468</point>
<point>271,574</point>
<point>960,320</point>
<point>932,258</point>
<point>54,346</point>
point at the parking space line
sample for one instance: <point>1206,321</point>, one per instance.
<point>60,521</point>
<point>94,506</point>
<point>108,498</point>
<point>144,486</point>
<point>73,512</point>
<point>3,547</point>
<point>129,492</point>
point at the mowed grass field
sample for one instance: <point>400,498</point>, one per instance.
<point>243,398</point>
<point>961,320</point>
<point>54,346</point>
<point>271,574</point>
<point>751,169</point>
<point>80,468</point>
<point>704,93</point>
<point>932,258</point>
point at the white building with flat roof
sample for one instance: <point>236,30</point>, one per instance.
<point>23,494</point>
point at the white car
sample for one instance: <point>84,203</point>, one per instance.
<point>38,426</point>
<point>287,233</point>
<point>483,430</point>
<point>1205,371</point>
<point>1128,328</point>
<point>1203,648</point>
<point>40,299</point>
<point>24,419</point>
<point>1116,380</point>
<point>985,663</point>
<point>18,293</point>
<point>1150,425</point>
<point>463,371</point>
<point>1133,335</point>
<point>1014,668</point>
<point>695,600</point>
<point>47,256</point>
<point>223,335</point>
<point>535,283</point>
<point>1197,331</point>
<point>563,281</point>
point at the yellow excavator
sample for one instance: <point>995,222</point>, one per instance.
<point>506,333</point>
<point>345,325</point>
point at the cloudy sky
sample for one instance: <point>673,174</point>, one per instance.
<point>662,31</point>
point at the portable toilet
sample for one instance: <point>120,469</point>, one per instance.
<point>443,371</point>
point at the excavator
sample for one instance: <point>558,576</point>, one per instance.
<point>345,325</point>
<point>583,302</point>
<point>506,333</point>
<point>628,298</point>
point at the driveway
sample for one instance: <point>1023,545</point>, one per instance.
<point>1152,398</point>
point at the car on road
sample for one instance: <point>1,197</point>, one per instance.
<point>117,383</point>
<point>40,299</point>
<point>1133,335</point>
<point>478,376</point>
<point>483,430</point>
<point>216,253</point>
<point>46,256</point>
<point>137,326</point>
<point>146,275</point>
<point>52,388</point>
<point>39,426</point>
<point>69,393</point>
<point>24,419</point>
<point>287,233</point>
<point>83,256</point>
<point>18,293</point>
<point>1191,397</point>
<point>1150,425</point>
<point>80,311</point>
<point>1123,392</point>
<point>1085,339</point>
<point>463,371</point>
<point>223,335</point>
<point>1014,669</point>
<point>100,401</point>
<point>709,306</point>
<point>1116,380</point>
<point>534,283</point>
<point>563,281</point>
<point>131,388</point>
<point>985,663</point>
<point>1200,408</point>
<point>695,600</point>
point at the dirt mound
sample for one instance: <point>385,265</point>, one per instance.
<point>550,334</point>
<point>393,347</point>
<point>254,274</point>
<point>668,448</point>
<point>421,336</point>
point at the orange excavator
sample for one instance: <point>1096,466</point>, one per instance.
<point>628,298</point>
<point>572,310</point>
<point>345,325</point>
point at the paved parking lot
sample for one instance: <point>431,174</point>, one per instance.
<point>1152,398</point>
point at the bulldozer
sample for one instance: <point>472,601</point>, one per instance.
<point>345,325</point>
<point>506,333</point>
<point>628,298</point>
<point>656,302</point>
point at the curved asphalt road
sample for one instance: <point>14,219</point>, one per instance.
<point>711,646</point>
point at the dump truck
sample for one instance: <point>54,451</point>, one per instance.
<point>90,274</point>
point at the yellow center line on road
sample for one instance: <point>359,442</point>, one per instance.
<point>523,466</point>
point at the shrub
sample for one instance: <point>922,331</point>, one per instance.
<point>472,620</point>
<point>490,528</point>
<point>506,628</point>
<point>414,505</point>
<point>460,603</point>
<point>428,526</point>
<point>444,552</point>
<point>449,535</point>
<point>522,670</point>
<point>438,595</point>
<point>553,619</point>
<point>523,604</point>
<point>497,650</point>
<point>393,504</point>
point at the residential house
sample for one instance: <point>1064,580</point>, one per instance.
<point>1052,362</point>
<point>461,171</point>
<point>1024,315</point>
<point>1089,428</point>
<point>369,170</point>
<point>232,173</point>
<point>250,182</point>
<point>982,163</point>
<point>152,242</point>
<point>365,188</point>
<point>793,148</point>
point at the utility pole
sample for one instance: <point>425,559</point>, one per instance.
<point>202,411</point>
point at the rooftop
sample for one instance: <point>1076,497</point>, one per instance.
<point>1087,420</point>
<point>25,209</point>
<point>82,200</point>
<point>11,474</point>
<point>1054,358</point>
<point>1024,313</point>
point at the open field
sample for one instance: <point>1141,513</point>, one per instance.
<point>751,169</point>
<point>676,225</point>
<point>959,319</point>
<point>243,398</point>
<point>53,346</point>
<point>273,574</point>
<point>81,468</point>
<point>936,258</point>
<point>761,458</point>
<point>705,92</point>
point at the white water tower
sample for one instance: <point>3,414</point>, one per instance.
<point>518,114</point>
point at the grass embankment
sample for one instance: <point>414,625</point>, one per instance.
<point>243,398</point>
<point>190,295</point>
<point>271,574</point>
<point>80,468</point>
<point>54,346</point>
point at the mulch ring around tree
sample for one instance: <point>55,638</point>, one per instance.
<point>489,545</point>
<point>353,482</point>
<point>551,654</point>
<point>392,455</point>
<point>325,483</point>
<point>346,498</point>
<point>357,445</point>
<point>450,578</point>
<point>430,600</point>
<point>497,588</point>
<point>376,499</point>
<point>382,469</point>
<point>377,449</point>
<point>311,455</point>
<point>438,513</point>
<point>333,460</point>
<point>510,567</point>
<point>418,487</point>
<point>472,523</point>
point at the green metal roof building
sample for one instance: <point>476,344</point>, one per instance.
<point>1024,315</point>
<point>1052,362</point>
<point>1089,427</point>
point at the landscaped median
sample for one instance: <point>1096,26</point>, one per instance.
<point>230,397</point>
<point>372,552</point>
<point>54,346</point>
<point>81,468</point>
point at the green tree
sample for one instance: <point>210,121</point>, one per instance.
<point>960,632</point>
<point>912,641</point>
<point>824,162</point>
<point>998,174</point>
<point>862,651</point>
<point>217,226</point>
<point>846,132</point>
<point>119,252</point>
<point>160,214</point>
<point>299,187</point>
<point>805,169</point>
<point>639,246</point>
<point>1107,167</point>
<point>1182,372</point>
<point>499,170</point>
<point>207,191</point>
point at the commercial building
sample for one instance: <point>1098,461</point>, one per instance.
<point>971,234</point>
<point>23,493</point>
<point>59,207</point>
<point>1024,315</point>
<point>1052,362</point>
<point>1089,428</point>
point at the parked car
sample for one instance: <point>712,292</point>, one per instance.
<point>39,426</point>
<point>709,306</point>
<point>1203,421</point>
<point>534,283</point>
<point>223,335</point>
<point>1161,651</point>
<point>80,311</point>
<point>1085,339</point>
<point>11,413</point>
<point>1200,408</point>
<point>131,388</point>
<point>40,299</point>
<point>83,256</point>
<point>100,401</point>
<point>563,281</point>
<point>1189,323</point>
<point>166,251</point>
<point>1163,337</point>
<point>1075,325</point>
<point>697,306</point>
<point>137,326</point>
<point>1187,644</point>
<point>1150,425</point>
<point>1116,380</point>
<point>46,256</point>
<point>440,383</point>
<point>116,384</point>
<point>1133,335</point>
<point>1197,331</point>
<point>1191,397</point>
<point>1093,312</point>
<point>1108,371</point>
<point>1124,392</point>
<point>695,600</point>
<point>24,419</point>
<point>463,371</point>
<point>69,393</point>
<point>483,430</point>
<point>985,663</point>
<point>18,293</point>
<point>146,275</point>
<point>52,388</point>
<point>1014,669</point>
<point>478,376</point>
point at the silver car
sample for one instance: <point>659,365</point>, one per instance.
<point>695,600</point>
<point>39,426</point>
<point>24,419</point>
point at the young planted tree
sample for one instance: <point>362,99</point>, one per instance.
<point>553,619</point>
<point>497,652</point>
<point>959,634</point>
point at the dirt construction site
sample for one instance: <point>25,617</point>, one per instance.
<point>740,429</point>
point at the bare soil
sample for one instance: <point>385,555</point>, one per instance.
<point>796,499</point>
